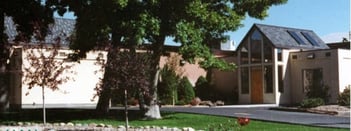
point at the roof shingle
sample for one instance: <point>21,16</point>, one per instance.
<point>280,37</point>
<point>62,28</point>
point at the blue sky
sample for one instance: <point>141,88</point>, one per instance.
<point>329,19</point>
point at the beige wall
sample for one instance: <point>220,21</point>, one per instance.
<point>191,71</point>
<point>330,72</point>
<point>226,81</point>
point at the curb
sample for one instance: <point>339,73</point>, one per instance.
<point>295,109</point>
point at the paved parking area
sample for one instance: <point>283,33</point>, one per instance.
<point>263,113</point>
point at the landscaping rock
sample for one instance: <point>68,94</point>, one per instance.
<point>79,124</point>
<point>219,103</point>
<point>188,129</point>
<point>56,124</point>
<point>27,124</point>
<point>196,101</point>
<point>208,103</point>
<point>20,124</point>
<point>100,125</point>
<point>70,124</point>
<point>62,124</point>
<point>92,125</point>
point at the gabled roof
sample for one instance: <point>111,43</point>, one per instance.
<point>290,38</point>
<point>62,28</point>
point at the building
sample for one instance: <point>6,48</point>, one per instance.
<point>278,64</point>
<point>77,92</point>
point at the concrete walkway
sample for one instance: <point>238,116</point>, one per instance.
<point>262,112</point>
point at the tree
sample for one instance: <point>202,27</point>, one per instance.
<point>170,78</point>
<point>203,89</point>
<point>186,91</point>
<point>25,14</point>
<point>196,24</point>
<point>124,75</point>
<point>167,88</point>
<point>44,69</point>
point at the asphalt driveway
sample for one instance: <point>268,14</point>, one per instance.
<point>263,113</point>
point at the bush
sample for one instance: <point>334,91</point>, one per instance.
<point>344,97</point>
<point>186,91</point>
<point>312,102</point>
<point>167,88</point>
<point>203,89</point>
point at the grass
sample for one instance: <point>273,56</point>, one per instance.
<point>170,119</point>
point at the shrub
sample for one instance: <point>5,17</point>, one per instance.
<point>167,88</point>
<point>344,97</point>
<point>185,91</point>
<point>318,91</point>
<point>312,102</point>
<point>203,89</point>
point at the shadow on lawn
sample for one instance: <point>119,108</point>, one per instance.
<point>66,115</point>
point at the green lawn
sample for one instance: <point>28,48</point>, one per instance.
<point>170,119</point>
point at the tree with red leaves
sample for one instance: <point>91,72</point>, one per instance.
<point>44,69</point>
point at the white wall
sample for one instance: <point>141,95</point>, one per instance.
<point>284,97</point>
<point>344,57</point>
<point>79,90</point>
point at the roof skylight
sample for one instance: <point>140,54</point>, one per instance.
<point>296,37</point>
<point>310,38</point>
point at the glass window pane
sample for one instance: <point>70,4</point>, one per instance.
<point>244,53</point>
<point>296,37</point>
<point>267,51</point>
<point>244,80</point>
<point>310,38</point>
<point>312,78</point>
<point>280,54</point>
<point>256,35</point>
<point>268,79</point>
<point>256,47</point>
<point>280,79</point>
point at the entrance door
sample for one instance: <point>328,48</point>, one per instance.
<point>256,85</point>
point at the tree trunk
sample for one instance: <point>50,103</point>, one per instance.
<point>4,88</point>
<point>154,110</point>
<point>4,75</point>
<point>141,101</point>
<point>103,104</point>
<point>126,108</point>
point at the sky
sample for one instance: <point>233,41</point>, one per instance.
<point>329,19</point>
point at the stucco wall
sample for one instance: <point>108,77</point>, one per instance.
<point>78,90</point>
<point>226,81</point>
<point>285,96</point>
<point>344,68</point>
<point>191,71</point>
<point>329,65</point>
